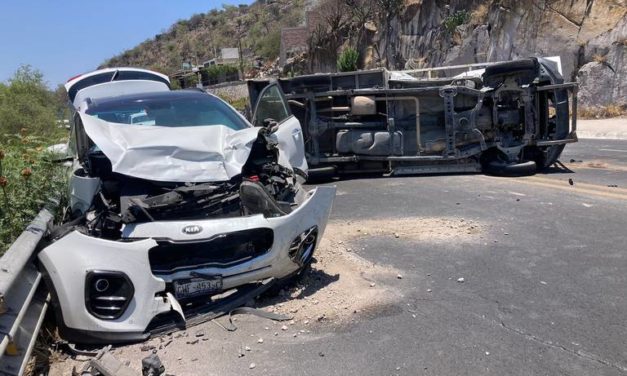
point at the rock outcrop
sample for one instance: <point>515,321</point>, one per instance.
<point>589,35</point>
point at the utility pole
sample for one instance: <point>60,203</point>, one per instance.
<point>239,48</point>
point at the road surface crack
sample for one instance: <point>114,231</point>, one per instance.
<point>531,337</point>
<point>578,353</point>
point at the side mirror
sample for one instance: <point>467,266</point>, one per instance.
<point>271,124</point>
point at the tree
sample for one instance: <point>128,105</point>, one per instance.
<point>328,35</point>
<point>26,105</point>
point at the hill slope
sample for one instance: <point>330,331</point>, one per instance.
<point>257,27</point>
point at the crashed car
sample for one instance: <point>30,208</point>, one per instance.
<point>508,118</point>
<point>180,207</point>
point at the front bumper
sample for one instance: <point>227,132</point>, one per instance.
<point>68,261</point>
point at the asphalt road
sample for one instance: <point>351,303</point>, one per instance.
<point>544,289</point>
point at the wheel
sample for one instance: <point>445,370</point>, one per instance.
<point>292,279</point>
<point>496,167</point>
<point>321,175</point>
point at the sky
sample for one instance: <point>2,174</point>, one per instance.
<point>63,38</point>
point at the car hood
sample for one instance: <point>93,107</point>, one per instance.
<point>173,154</point>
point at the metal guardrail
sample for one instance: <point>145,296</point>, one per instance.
<point>23,298</point>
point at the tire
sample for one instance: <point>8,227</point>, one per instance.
<point>321,175</point>
<point>288,281</point>
<point>512,169</point>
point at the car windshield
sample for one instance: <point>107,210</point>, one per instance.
<point>170,110</point>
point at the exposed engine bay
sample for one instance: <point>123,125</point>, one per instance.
<point>264,187</point>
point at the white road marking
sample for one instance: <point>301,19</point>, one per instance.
<point>616,150</point>
<point>517,194</point>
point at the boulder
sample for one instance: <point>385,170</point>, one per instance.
<point>596,82</point>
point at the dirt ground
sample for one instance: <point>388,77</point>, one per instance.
<point>339,289</point>
<point>341,284</point>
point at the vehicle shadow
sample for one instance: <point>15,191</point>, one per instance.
<point>556,168</point>
<point>303,287</point>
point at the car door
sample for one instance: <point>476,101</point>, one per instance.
<point>273,105</point>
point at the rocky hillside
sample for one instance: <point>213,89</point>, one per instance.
<point>257,28</point>
<point>589,35</point>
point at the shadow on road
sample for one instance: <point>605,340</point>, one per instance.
<point>304,286</point>
<point>556,168</point>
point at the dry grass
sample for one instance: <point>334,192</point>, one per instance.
<point>456,39</point>
<point>479,15</point>
<point>602,59</point>
<point>43,354</point>
<point>601,112</point>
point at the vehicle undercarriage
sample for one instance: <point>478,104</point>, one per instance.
<point>509,118</point>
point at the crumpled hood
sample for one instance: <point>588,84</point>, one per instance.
<point>173,154</point>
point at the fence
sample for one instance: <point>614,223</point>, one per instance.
<point>23,297</point>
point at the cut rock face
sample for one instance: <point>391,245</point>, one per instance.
<point>596,81</point>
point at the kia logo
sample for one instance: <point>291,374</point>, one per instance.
<point>192,229</point>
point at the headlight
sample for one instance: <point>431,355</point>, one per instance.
<point>302,248</point>
<point>107,294</point>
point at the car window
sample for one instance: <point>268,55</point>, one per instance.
<point>271,106</point>
<point>169,111</point>
<point>115,76</point>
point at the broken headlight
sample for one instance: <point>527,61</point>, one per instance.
<point>302,248</point>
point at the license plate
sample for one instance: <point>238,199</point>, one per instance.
<point>189,288</point>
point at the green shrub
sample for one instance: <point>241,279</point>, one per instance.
<point>458,18</point>
<point>28,125</point>
<point>26,103</point>
<point>219,73</point>
<point>28,178</point>
<point>270,45</point>
<point>347,61</point>
<point>221,70</point>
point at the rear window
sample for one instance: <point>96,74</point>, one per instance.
<point>121,75</point>
<point>169,111</point>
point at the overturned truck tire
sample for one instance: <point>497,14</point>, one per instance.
<point>510,169</point>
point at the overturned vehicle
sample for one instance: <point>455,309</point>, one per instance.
<point>180,208</point>
<point>509,118</point>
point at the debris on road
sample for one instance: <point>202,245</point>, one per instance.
<point>152,366</point>
<point>336,290</point>
<point>104,363</point>
<point>461,280</point>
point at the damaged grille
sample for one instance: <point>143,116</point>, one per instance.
<point>219,251</point>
